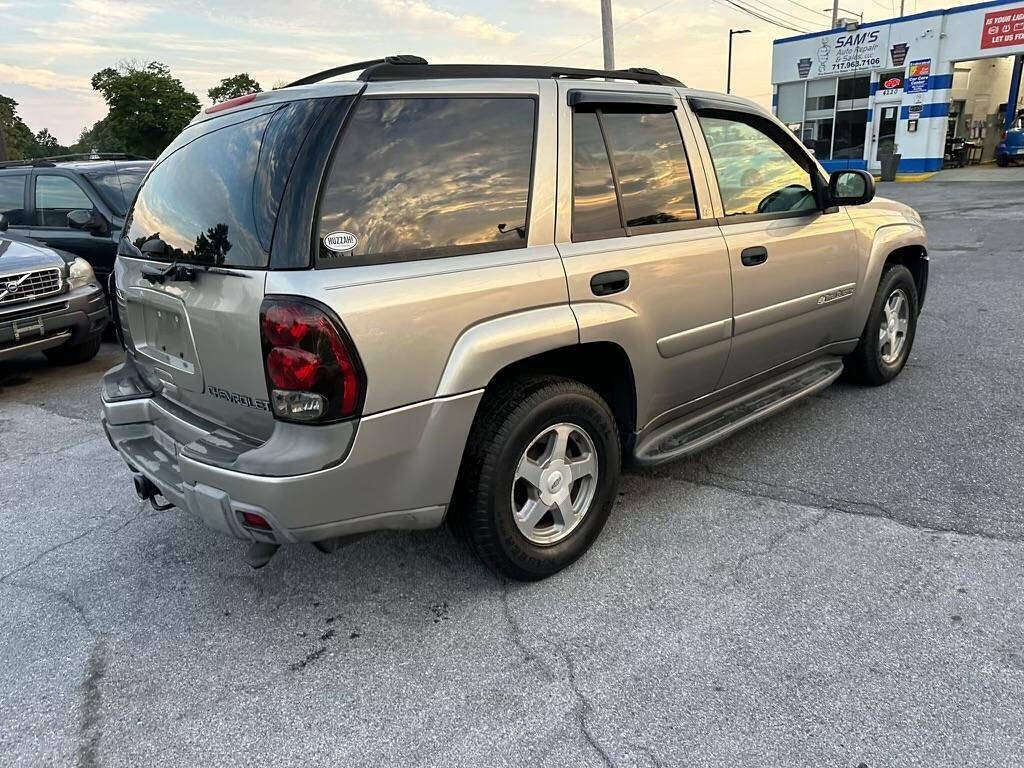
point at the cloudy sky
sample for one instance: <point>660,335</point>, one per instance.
<point>50,48</point>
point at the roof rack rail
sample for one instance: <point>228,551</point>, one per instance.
<point>94,156</point>
<point>50,162</point>
<point>37,162</point>
<point>407,67</point>
<point>316,77</point>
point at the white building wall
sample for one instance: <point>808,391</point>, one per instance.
<point>940,38</point>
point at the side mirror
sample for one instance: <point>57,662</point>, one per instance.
<point>851,187</point>
<point>91,221</point>
<point>80,219</point>
<point>3,222</point>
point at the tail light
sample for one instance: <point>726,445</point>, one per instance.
<point>313,372</point>
<point>1002,136</point>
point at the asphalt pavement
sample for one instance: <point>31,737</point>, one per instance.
<point>838,586</point>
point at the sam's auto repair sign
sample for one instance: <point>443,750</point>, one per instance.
<point>1003,27</point>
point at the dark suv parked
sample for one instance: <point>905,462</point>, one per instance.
<point>75,202</point>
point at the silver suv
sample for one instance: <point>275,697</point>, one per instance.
<point>473,292</point>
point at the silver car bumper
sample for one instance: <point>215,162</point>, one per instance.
<point>398,472</point>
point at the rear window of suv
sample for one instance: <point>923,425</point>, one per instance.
<point>214,199</point>
<point>417,178</point>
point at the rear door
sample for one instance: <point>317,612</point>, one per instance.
<point>646,264</point>
<point>211,204</point>
<point>794,265</point>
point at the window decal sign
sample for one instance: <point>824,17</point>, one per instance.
<point>803,67</point>
<point>340,242</point>
<point>917,76</point>
<point>890,84</point>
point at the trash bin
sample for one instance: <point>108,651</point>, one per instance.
<point>889,165</point>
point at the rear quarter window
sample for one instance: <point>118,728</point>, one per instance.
<point>418,178</point>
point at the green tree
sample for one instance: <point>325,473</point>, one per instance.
<point>98,138</point>
<point>233,87</point>
<point>17,140</point>
<point>148,107</point>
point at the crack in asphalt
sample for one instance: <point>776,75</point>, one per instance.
<point>816,500</point>
<point>90,727</point>
<point>776,540</point>
<point>582,707</point>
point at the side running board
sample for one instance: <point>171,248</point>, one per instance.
<point>694,432</point>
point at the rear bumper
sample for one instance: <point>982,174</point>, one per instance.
<point>68,318</point>
<point>398,472</point>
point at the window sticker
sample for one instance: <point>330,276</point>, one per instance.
<point>340,242</point>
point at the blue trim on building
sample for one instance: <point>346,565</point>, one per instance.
<point>938,109</point>
<point>919,164</point>
<point>844,165</point>
<point>775,99</point>
<point>870,117</point>
<point>940,82</point>
<point>923,15</point>
<point>907,165</point>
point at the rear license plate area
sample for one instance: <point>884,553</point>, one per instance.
<point>166,338</point>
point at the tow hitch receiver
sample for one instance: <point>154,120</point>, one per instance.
<point>146,490</point>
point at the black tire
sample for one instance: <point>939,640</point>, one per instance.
<point>72,354</point>
<point>510,418</point>
<point>865,364</point>
<point>1002,160</point>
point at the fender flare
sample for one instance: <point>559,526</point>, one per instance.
<point>486,347</point>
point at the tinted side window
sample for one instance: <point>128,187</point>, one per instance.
<point>651,168</point>
<point>418,178</point>
<point>755,174</point>
<point>56,197</point>
<point>12,198</point>
<point>595,209</point>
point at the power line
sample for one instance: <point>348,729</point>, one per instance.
<point>808,8</point>
<point>735,4</point>
<point>615,27</point>
<point>778,13</point>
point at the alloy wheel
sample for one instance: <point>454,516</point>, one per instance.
<point>892,334</point>
<point>554,484</point>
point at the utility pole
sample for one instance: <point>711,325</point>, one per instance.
<point>835,13</point>
<point>901,8</point>
<point>606,34</point>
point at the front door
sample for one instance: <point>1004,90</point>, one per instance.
<point>794,265</point>
<point>883,133</point>
<point>647,266</point>
<point>55,196</point>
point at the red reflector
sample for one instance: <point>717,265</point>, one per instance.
<point>292,368</point>
<point>231,103</point>
<point>253,520</point>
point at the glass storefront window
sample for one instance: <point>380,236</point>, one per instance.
<point>817,135</point>
<point>821,95</point>
<point>852,88</point>
<point>851,129</point>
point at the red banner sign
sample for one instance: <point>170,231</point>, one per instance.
<point>1003,28</point>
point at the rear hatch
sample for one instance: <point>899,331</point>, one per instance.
<point>197,245</point>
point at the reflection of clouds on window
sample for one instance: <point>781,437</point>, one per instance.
<point>431,175</point>
<point>755,174</point>
<point>653,174</point>
<point>198,195</point>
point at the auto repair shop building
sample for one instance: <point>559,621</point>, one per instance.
<point>855,93</point>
